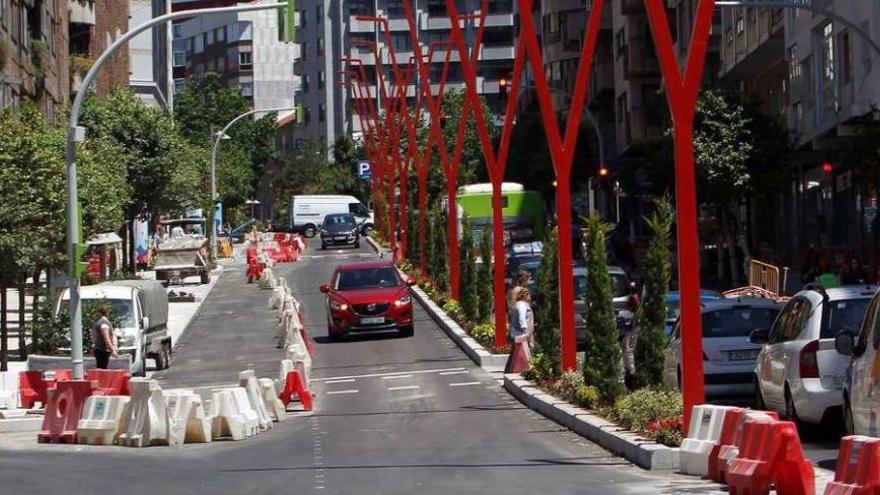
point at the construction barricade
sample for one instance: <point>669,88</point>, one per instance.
<point>63,410</point>
<point>267,279</point>
<point>295,387</point>
<point>273,404</point>
<point>703,436</point>
<point>858,467</point>
<point>146,420</point>
<point>109,382</point>
<point>301,359</point>
<point>8,390</point>
<point>730,441</point>
<point>248,381</point>
<point>231,415</point>
<point>187,421</point>
<point>101,421</point>
<point>770,455</point>
<point>34,385</point>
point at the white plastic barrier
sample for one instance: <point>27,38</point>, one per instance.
<point>286,366</point>
<point>101,419</point>
<point>248,381</point>
<point>279,293</point>
<point>270,399</point>
<point>267,279</point>
<point>8,389</point>
<point>187,421</point>
<point>299,355</point>
<point>292,329</point>
<point>703,435</point>
<point>146,419</point>
<point>231,414</point>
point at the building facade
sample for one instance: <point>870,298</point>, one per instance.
<point>150,54</point>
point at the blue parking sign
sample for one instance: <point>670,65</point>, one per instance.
<point>365,170</point>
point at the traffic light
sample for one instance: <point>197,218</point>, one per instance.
<point>827,167</point>
<point>502,87</point>
<point>289,21</point>
<point>603,171</point>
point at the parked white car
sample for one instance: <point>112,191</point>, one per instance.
<point>728,355</point>
<point>799,374</point>
<point>861,386</point>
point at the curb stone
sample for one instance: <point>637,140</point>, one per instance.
<point>643,453</point>
<point>476,352</point>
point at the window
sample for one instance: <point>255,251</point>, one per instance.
<point>394,8</point>
<point>245,31</point>
<point>807,70</point>
<point>829,88</point>
<point>842,316</point>
<point>322,112</point>
<point>179,59</point>
<point>319,13</point>
<point>740,25</point>
<point>321,79</point>
<point>220,34</point>
<point>320,46</point>
<point>866,49</point>
<point>302,18</point>
<point>245,59</point>
<point>177,30</point>
<point>304,50</point>
<point>795,77</point>
<point>209,38</point>
<point>247,89</point>
<point>221,64</point>
<point>179,84</point>
<point>306,79</point>
<point>620,42</point>
<point>846,58</point>
<point>210,66</point>
<point>790,321</point>
<point>199,46</point>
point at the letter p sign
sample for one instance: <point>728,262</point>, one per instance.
<point>364,170</point>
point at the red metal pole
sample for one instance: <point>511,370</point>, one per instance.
<point>682,91</point>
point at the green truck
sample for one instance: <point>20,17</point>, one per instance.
<point>523,210</point>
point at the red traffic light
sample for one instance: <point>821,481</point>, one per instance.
<point>603,171</point>
<point>827,167</point>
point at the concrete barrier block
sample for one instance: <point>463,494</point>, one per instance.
<point>248,381</point>
<point>231,415</point>
<point>101,419</point>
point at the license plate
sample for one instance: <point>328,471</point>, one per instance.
<point>339,238</point>
<point>744,355</point>
<point>373,321</point>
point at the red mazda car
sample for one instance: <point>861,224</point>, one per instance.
<point>367,296</point>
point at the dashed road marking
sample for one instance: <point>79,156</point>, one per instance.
<point>331,382</point>
<point>444,373</point>
<point>393,377</point>
<point>464,384</point>
<point>404,387</point>
<point>393,373</point>
<point>341,392</point>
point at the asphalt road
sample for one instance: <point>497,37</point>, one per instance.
<point>393,415</point>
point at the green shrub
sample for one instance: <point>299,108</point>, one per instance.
<point>468,281</point>
<point>586,397</point>
<point>454,310</point>
<point>484,333</point>
<point>547,335</point>
<point>640,409</point>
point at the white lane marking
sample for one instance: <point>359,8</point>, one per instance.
<point>405,387</point>
<point>454,372</point>
<point>375,375</point>
<point>331,382</point>
<point>339,392</point>
<point>393,377</point>
<point>464,384</point>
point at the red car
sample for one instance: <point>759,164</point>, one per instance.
<point>367,296</point>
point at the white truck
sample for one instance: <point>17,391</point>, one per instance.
<point>141,307</point>
<point>307,212</point>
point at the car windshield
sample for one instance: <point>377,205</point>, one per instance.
<point>121,310</point>
<point>619,284</point>
<point>346,220</point>
<point>846,314</point>
<point>367,278</point>
<point>736,321</point>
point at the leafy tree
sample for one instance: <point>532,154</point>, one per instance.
<point>484,276</point>
<point>602,359</point>
<point>309,172</point>
<point>346,155</point>
<point>652,316</point>
<point>469,293</point>
<point>547,335</point>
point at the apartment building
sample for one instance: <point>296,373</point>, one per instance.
<point>33,54</point>
<point>150,54</point>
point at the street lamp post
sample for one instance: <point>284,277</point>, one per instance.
<point>217,138</point>
<point>76,134</point>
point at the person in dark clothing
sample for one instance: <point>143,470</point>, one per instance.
<point>102,342</point>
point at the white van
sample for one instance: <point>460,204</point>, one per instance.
<point>307,212</point>
<point>861,385</point>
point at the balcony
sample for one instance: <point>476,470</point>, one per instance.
<point>82,11</point>
<point>497,52</point>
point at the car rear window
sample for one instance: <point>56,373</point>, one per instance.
<point>339,220</point>
<point>619,284</point>
<point>845,314</point>
<point>367,278</point>
<point>737,321</point>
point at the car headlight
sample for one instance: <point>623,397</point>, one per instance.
<point>323,231</point>
<point>403,301</point>
<point>338,306</point>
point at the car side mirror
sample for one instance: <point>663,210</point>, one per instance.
<point>760,336</point>
<point>145,322</point>
<point>325,288</point>
<point>845,343</point>
<point>411,282</point>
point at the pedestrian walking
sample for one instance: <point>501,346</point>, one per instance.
<point>521,331</point>
<point>102,342</point>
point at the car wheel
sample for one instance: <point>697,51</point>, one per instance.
<point>790,411</point>
<point>759,397</point>
<point>408,331</point>
<point>848,423</point>
<point>160,361</point>
<point>357,244</point>
<point>310,231</point>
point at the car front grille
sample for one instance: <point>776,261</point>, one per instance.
<point>371,309</point>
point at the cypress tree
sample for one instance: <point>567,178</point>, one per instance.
<point>485,284</point>
<point>602,359</point>
<point>440,271</point>
<point>429,243</point>
<point>547,335</point>
<point>652,318</point>
<point>469,292</point>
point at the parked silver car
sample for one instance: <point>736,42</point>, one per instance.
<point>798,372</point>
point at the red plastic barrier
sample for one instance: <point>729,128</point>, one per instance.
<point>255,271</point>
<point>858,467</point>
<point>251,255</point>
<point>109,382</point>
<point>771,454</point>
<point>310,344</point>
<point>295,385</point>
<point>730,442</point>
<point>63,411</point>
<point>63,374</point>
<point>33,388</point>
